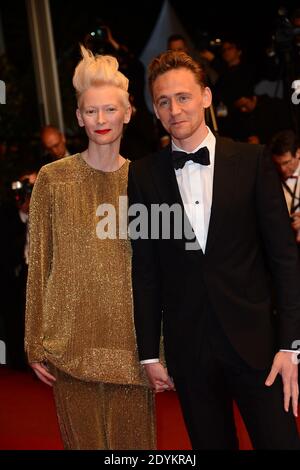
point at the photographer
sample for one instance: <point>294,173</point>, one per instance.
<point>282,64</point>
<point>102,41</point>
<point>237,75</point>
<point>285,151</point>
<point>259,117</point>
<point>283,55</point>
<point>14,251</point>
<point>176,42</point>
<point>140,135</point>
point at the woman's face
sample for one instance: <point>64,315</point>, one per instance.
<point>103,111</point>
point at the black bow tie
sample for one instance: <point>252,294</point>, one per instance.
<point>180,158</point>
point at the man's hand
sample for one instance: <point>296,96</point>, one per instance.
<point>42,372</point>
<point>158,377</point>
<point>286,364</point>
<point>206,54</point>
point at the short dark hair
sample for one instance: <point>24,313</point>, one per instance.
<point>171,60</point>
<point>283,142</point>
<point>233,41</point>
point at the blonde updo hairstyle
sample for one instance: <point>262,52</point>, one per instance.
<point>99,70</point>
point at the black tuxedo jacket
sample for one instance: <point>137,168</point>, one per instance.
<point>249,237</point>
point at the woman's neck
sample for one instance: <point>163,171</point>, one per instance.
<point>104,158</point>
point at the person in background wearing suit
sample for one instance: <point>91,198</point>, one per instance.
<point>54,143</point>
<point>285,151</point>
<point>222,341</point>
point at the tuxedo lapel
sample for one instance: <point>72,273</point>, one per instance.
<point>167,187</point>
<point>224,184</point>
<point>165,179</point>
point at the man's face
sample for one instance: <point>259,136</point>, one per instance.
<point>230,53</point>
<point>177,45</point>
<point>55,143</point>
<point>179,102</point>
<point>286,163</point>
<point>245,104</point>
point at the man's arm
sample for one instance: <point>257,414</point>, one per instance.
<point>146,283</point>
<point>283,260</point>
<point>158,377</point>
<point>147,297</point>
<point>286,364</point>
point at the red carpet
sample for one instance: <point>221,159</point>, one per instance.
<point>27,413</point>
<point>28,420</point>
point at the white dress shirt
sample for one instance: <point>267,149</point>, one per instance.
<point>195,184</point>
<point>294,186</point>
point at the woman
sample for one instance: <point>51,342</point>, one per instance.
<point>79,323</point>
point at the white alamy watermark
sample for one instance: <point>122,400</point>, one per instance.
<point>296,94</point>
<point>2,352</point>
<point>160,221</point>
<point>296,355</point>
<point>2,92</point>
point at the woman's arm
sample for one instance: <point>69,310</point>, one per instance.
<point>40,258</point>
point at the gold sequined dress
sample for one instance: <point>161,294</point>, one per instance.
<point>79,301</point>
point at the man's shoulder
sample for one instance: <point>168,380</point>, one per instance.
<point>229,147</point>
<point>147,162</point>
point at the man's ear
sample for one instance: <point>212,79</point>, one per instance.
<point>207,97</point>
<point>79,118</point>
<point>297,154</point>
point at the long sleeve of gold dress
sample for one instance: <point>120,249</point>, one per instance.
<point>79,313</point>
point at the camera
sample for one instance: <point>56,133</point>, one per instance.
<point>286,32</point>
<point>21,190</point>
<point>207,42</point>
<point>97,39</point>
<point>99,34</point>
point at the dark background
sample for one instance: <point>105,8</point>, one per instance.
<point>252,23</point>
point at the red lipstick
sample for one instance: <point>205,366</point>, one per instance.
<point>102,131</point>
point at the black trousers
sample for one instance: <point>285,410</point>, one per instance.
<point>222,376</point>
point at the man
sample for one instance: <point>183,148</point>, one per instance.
<point>219,338</point>
<point>285,151</point>
<point>235,74</point>
<point>260,117</point>
<point>176,42</point>
<point>54,142</point>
